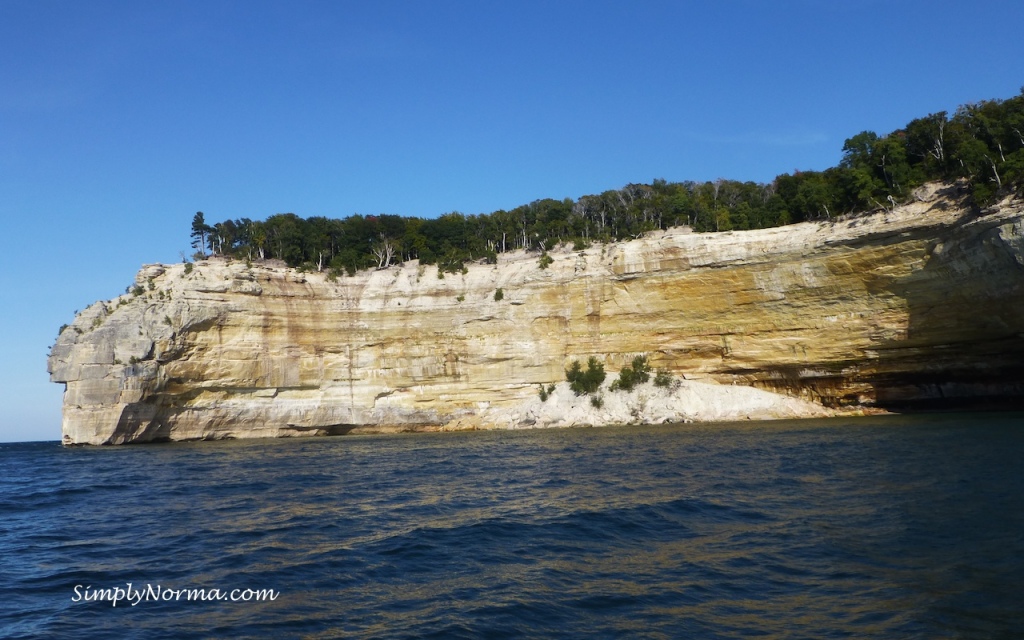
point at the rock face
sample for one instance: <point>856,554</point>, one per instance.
<point>919,306</point>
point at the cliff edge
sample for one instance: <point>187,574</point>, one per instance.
<point>920,306</point>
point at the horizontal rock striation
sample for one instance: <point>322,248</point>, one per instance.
<point>920,306</point>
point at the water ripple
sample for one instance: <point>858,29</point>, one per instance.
<point>875,528</point>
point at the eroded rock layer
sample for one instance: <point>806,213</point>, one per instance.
<point>917,306</point>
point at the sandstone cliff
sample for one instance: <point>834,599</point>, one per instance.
<point>918,305</point>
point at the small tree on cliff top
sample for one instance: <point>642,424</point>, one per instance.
<point>199,232</point>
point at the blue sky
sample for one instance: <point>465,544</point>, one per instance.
<point>120,120</point>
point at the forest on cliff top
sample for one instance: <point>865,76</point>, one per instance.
<point>981,144</point>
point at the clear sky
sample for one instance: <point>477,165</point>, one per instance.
<point>120,120</point>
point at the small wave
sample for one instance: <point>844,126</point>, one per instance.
<point>712,532</point>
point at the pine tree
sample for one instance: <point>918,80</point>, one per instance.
<point>199,231</point>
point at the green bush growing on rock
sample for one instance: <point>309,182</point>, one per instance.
<point>638,372</point>
<point>596,401</point>
<point>583,382</point>
<point>188,268</point>
<point>545,393</point>
<point>545,260</point>
<point>499,295</point>
<point>663,379</point>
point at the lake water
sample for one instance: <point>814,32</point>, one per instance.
<point>908,527</point>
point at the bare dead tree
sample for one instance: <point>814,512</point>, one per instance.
<point>383,251</point>
<point>995,172</point>
<point>939,141</point>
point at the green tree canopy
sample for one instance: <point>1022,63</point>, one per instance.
<point>981,143</point>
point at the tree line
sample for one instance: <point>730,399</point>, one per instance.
<point>981,143</point>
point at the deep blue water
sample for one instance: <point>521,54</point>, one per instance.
<point>889,527</point>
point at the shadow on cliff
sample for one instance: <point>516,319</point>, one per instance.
<point>964,341</point>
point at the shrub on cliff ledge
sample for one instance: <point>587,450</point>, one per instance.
<point>630,376</point>
<point>583,382</point>
<point>545,393</point>
<point>663,379</point>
